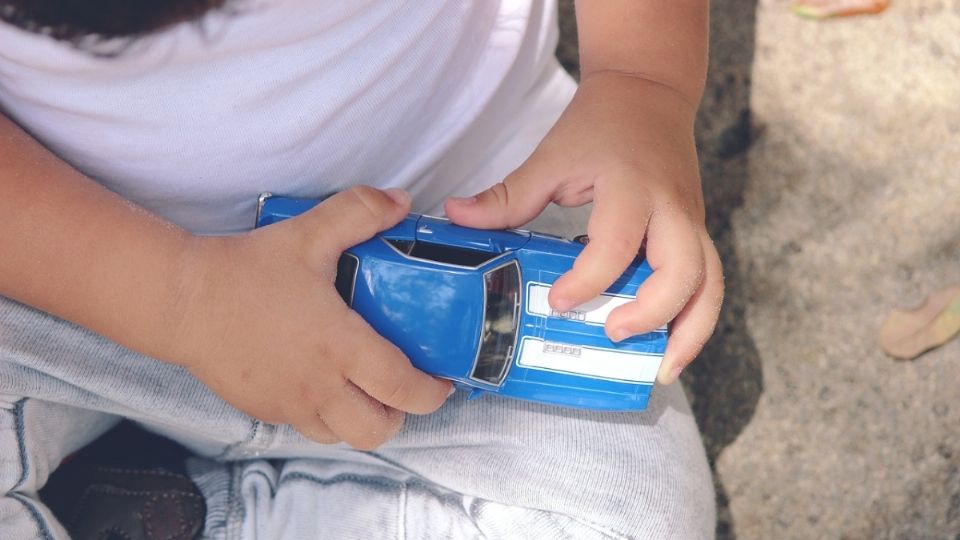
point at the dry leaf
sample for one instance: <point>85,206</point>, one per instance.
<point>823,9</point>
<point>908,333</point>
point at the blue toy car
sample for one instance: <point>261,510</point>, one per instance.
<point>470,305</point>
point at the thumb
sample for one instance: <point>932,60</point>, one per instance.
<point>519,198</point>
<point>355,215</point>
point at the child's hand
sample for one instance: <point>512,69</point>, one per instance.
<point>265,329</point>
<point>627,144</point>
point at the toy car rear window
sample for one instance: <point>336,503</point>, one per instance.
<point>346,277</point>
<point>442,254</point>
<point>500,322</point>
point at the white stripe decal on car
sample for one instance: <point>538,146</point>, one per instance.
<point>593,311</point>
<point>593,362</point>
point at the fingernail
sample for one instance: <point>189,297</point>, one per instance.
<point>464,200</point>
<point>398,195</point>
<point>563,304</point>
<point>620,334</point>
<point>452,390</point>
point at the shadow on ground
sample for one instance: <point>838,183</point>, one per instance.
<point>727,380</point>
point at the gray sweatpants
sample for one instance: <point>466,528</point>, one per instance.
<point>489,468</point>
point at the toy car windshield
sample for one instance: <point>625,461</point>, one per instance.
<point>500,321</point>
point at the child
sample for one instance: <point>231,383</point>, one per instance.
<point>129,169</point>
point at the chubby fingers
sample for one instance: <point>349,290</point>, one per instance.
<point>354,215</point>
<point>356,418</point>
<point>358,388</point>
<point>338,410</point>
<point>365,406</point>
<point>616,229</point>
<point>521,196</point>
<point>693,326</point>
<point>676,256</point>
<point>385,374</point>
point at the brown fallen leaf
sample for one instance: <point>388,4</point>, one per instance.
<point>909,333</point>
<point>823,9</point>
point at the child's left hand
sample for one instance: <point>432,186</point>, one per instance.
<point>627,144</point>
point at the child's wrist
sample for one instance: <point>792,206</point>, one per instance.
<point>641,93</point>
<point>193,263</point>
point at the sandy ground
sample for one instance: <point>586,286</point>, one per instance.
<point>830,154</point>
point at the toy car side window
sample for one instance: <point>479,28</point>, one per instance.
<point>346,277</point>
<point>441,253</point>
<point>500,322</point>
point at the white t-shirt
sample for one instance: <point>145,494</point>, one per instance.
<point>295,97</point>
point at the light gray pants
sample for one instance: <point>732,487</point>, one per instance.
<point>490,468</point>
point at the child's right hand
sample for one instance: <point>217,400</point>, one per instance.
<point>255,317</point>
<point>264,327</point>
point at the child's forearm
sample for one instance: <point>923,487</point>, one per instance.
<point>664,41</point>
<point>72,248</point>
